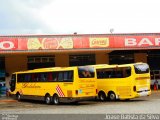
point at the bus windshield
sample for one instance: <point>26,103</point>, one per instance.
<point>86,72</point>
<point>141,68</point>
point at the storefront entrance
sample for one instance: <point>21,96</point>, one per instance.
<point>153,59</point>
<point>2,77</point>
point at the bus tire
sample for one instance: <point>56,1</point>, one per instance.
<point>102,96</point>
<point>18,97</point>
<point>112,96</point>
<point>48,100</point>
<point>55,99</point>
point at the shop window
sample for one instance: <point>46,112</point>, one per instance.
<point>40,62</point>
<point>121,57</point>
<point>80,60</point>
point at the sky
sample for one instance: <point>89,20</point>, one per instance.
<point>81,16</point>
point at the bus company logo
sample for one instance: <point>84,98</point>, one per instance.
<point>6,45</point>
<point>98,42</point>
<point>28,85</point>
<point>59,91</point>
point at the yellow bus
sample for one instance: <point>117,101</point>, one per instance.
<point>123,81</point>
<point>55,85</point>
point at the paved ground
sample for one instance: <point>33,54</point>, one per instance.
<point>139,105</point>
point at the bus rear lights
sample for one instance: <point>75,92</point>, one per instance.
<point>134,88</point>
<point>142,78</point>
<point>76,92</point>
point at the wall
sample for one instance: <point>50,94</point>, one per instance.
<point>102,58</point>
<point>140,57</point>
<point>14,63</point>
<point>61,60</point>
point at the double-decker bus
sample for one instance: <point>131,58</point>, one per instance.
<point>55,85</point>
<point>123,81</point>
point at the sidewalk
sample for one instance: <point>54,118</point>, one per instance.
<point>7,99</point>
<point>155,91</point>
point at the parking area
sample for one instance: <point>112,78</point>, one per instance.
<point>139,105</point>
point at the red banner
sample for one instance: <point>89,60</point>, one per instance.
<point>8,44</point>
<point>80,42</point>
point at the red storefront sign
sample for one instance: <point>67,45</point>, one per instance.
<point>8,44</point>
<point>80,42</point>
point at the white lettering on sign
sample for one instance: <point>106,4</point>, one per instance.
<point>157,41</point>
<point>143,41</point>
<point>130,42</point>
<point>6,45</point>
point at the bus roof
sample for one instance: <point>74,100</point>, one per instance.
<point>115,65</point>
<point>49,69</point>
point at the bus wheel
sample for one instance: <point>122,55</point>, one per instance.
<point>56,99</point>
<point>48,99</point>
<point>102,96</point>
<point>112,96</point>
<point>18,97</point>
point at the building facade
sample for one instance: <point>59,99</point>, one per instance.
<point>18,53</point>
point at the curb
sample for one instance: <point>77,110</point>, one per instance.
<point>5,99</point>
<point>8,100</point>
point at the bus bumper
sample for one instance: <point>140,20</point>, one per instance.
<point>143,93</point>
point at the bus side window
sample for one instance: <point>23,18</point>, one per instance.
<point>43,77</point>
<point>127,72</point>
<point>36,77</point>
<point>60,76</point>
<point>32,77</point>
<point>119,74</point>
<point>49,77</point>
<point>70,76</point>
<point>54,75</point>
<point>112,74</point>
<point>65,76</point>
<point>27,78</point>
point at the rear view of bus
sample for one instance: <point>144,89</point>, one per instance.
<point>142,80</point>
<point>86,83</point>
<point>124,81</point>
